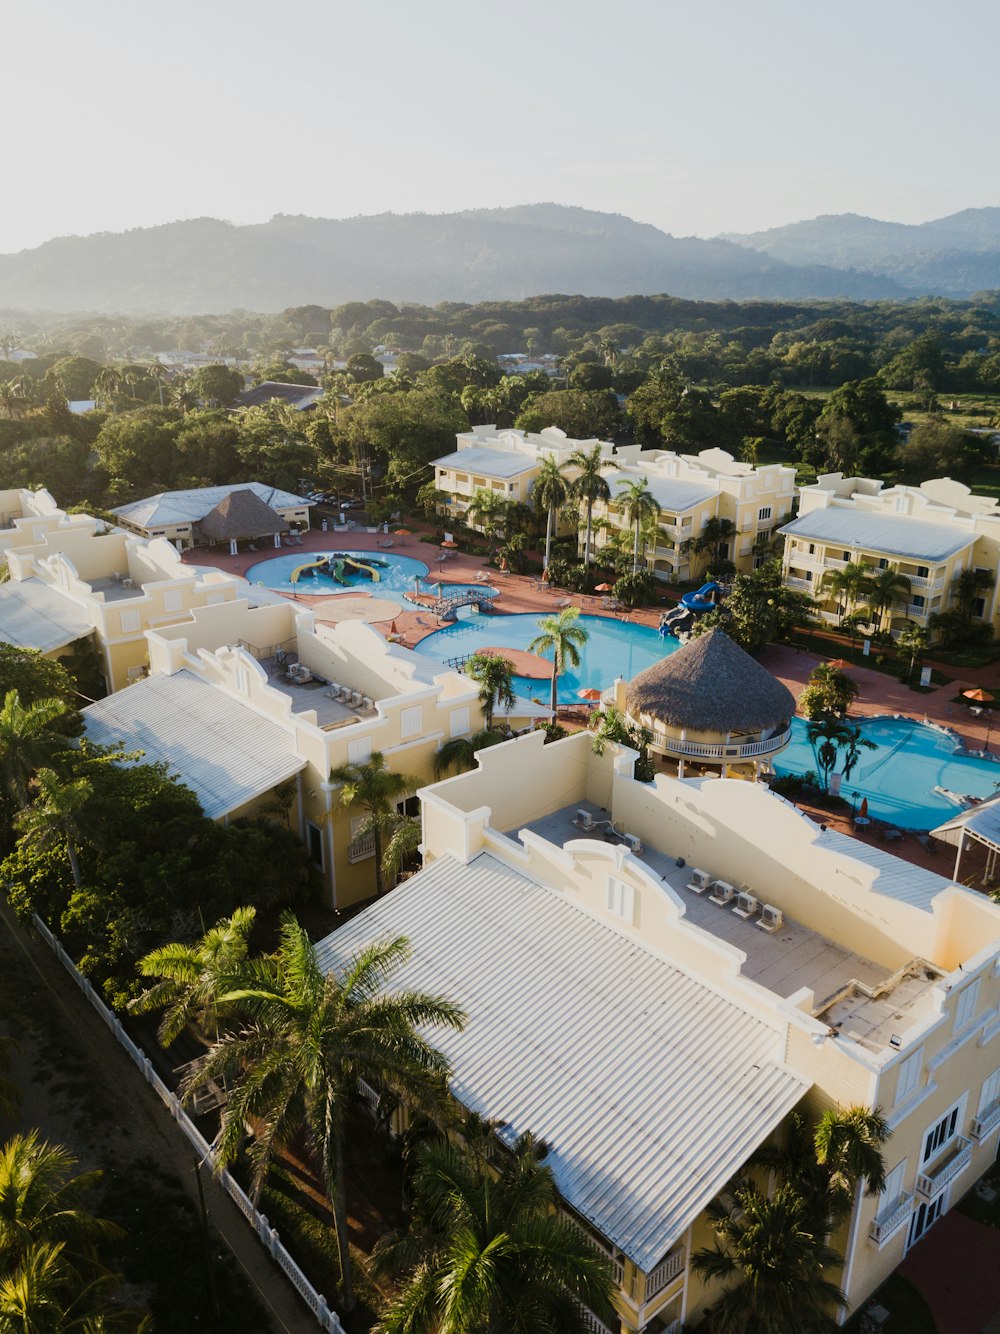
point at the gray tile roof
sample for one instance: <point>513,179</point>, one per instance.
<point>892,534</point>
<point>33,615</point>
<point>171,507</point>
<point>649,1088</point>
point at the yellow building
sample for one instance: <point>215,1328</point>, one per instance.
<point>656,975</point>
<point>691,490</point>
<point>930,534</point>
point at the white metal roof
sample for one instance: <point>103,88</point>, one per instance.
<point>224,751</point>
<point>172,507</point>
<point>489,462</point>
<point>34,615</point>
<point>649,1089</point>
<point>672,494</point>
<point>897,879</point>
<point>895,534</point>
<point>981,822</point>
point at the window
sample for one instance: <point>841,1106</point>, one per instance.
<point>909,1076</point>
<point>965,1008</point>
<point>130,622</point>
<point>812,548</point>
<point>620,899</point>
<point>941,1133</point>
<point>923,571</point>
<point>172,599</point>
<point>409,806</point>
<point>360,751</point>
<point>893,1191</point>
<point>459,722</point>
<point>990,1093</point>
<point>410,721</point>
<point>883,564</point>
<point>979,607</point>
<point>919,601</point>
<point>314,842</point>
<point>845,555</point>
<point>763,513</point>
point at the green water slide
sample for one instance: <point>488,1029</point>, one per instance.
<point>368,570</point>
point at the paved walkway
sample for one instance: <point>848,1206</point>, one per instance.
<point>956,1269</point>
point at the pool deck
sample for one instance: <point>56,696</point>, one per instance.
<point>880,693</point>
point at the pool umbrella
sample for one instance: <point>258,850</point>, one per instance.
<point>604,588</point>
<point>863,812</point>
<point>588,693</point>
<point>403,532</point>
<point>840,664</point>
<point>980,696</point>
<point>392,629</point>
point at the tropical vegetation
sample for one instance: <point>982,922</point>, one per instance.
<point>563,638</point>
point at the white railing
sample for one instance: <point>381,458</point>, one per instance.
<point>316,1302</point>
<point>791,581</point>
<point>361,847</point>
<point>887,1224</point>
<point>832,564</point>
<point>665,1272</point>
<point>710,750</point>
<point>918,613</point>
<point>986,1122</point>
<point>592,1323</point>
<point>933,1182</point>
<point>370,1095</point>
<point>617,1265</point>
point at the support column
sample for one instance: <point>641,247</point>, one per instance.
<point>232,546</point>
<point>958,858</point>
<point>277,539</point>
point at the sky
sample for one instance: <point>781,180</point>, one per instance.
<point>700,117</point>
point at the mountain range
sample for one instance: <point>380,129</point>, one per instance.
<point>205,264</point>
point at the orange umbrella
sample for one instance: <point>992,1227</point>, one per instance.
<point>545,576</point>
<point>864,807</point>
<point>980,696</point>
<point>604,588</point>
<point>840,664</point>
<point>450,546</point>
<point>392,629</point>
<point>403,532</point>
<point>588,693</point>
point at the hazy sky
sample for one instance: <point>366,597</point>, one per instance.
<point>698,117</point>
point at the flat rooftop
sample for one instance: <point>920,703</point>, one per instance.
<point>318,694</point>
<point>859,997</point>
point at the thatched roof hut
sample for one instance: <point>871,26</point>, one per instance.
<point>240,516</point>
<point>710,685</point>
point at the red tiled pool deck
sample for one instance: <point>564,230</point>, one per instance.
<point>956,1269</point>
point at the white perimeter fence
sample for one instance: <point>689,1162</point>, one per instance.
<point>325,1318</point>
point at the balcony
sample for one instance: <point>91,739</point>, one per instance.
<point>952,1163</point>
<point>706,750</point>
<point>914,612</point>
<point>805,585</point>
<point>591,1322</point>
<point>664,1274</point>
<point>361,847</point>
<point>617,1264</point>
<point>887,1224</point>
<point>986,1122</point>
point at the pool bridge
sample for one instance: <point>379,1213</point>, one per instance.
<point>448,604</point>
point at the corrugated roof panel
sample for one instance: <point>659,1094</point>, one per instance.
<point>34,615</point>
<point>897,879</point>
<point>649,1089</point>
<point>672,494</point>
<point>895,534</point>
<point>227,753</point>
<point>982,821</point>
<point>490,462</point>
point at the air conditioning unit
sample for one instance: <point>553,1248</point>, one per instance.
<point>746,904</point>
<point>771,918</point>
<point>584,820</point>
<point>633,842</point>
<point>700,880</point>
<point>722,893</point>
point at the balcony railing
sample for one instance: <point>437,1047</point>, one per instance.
<point>986,1122</point>
<point>617,1265</point>
<point>706,750</point>
<point>806,585</point>
<point>665,1272</point>
<point>887,1224</point>
<point>591,1322</point>
<point>918,613</point>
<point>957,1158</point>
<point>361,847</point>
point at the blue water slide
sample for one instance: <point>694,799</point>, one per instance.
<point>702,600</point>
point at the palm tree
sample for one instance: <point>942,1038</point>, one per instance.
<point>772,1262</point>
<point>828,734</point>
<point>486,510</point>
<point>640,507</point>
<point>193,977</point>
<point>488,1253</point>
<point>460,752</point>
<point>308,1039</point>
<point>550,492</point>
<point>26,740</point>
<point>494,674</point>
<point>52,817</point>
<point>716,535</point>
<point>403,846</point>
<point>589,486</point>
<point>180,394</point>
<point>883,590</point>
<point>108,385</point>
<point>912,640</point>
<point>563,638</point>
<point>374,786</point>
<point>849,1143</point>
<point>846,585</point>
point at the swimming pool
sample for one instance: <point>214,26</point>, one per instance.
<point>613,649</point>
<point>900,777</point>
<point>397,574</point>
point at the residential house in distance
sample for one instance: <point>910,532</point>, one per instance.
<point>693,489</point>
<point>179,516</point>
<point>656,975</point>
<point>241,699</point>
<point>77,579</point>
<point>929,533</point>
<point>505,462</point>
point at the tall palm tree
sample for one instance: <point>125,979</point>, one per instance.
<point>846,585</point>
<point>374,786</point>
<point>774,1266</point>
<point>849,1143</point>
<point>884,590</point>
<point>308,1038</point>
<point>640,507</point>
<point>26,740</point>
<point>494,675</point>
<point>588,487</point>
<point>912,640</point>
<point>829,734</point>
<point>108,385</point>
<point>486,510</point>
<point>460,752</point>
<point>488,1253</point>
<point>563,638</point>
<point>53,815</point>
<point>193,977</point>
<point>550,492</point>
<point>403,846</point>
<point>716,535</point>
<point>180,395</point>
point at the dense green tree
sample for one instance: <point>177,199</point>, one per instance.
<point>856,430</point>
<point>137,450</point>
<point>363,366</point>
<point>759,609</point>
<point>828,690</point>
<point>35,677</point>
<point>494,675</point>
<point>936,448</point>
<point>405,432</point>
<point>29,738</point>
<point>582,414</point>
<point>74,376</point>
<point>207,448</point>
<point>53,816</point>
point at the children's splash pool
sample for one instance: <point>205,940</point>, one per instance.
<point>906,779</point>
<point>323,573</point>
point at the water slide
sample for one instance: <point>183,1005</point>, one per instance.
<point>312,566</point>
<point>682,618</point>
<point>702,600</point>
<point>335,569</point>
<point>365,569</point>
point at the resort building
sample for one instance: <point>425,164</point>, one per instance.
<point>251,707</point>
<point>930,534</point>
<point>691,490</point>
<point>709,705</point>
<point>213,514</point>
<point>656,975</point>
<point>506,462</point>
<point>73,579</point>
<point>27,517</point>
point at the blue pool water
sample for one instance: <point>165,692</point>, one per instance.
<point>899,777</point>
<point>613,649</point>
<point>397,574</point>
